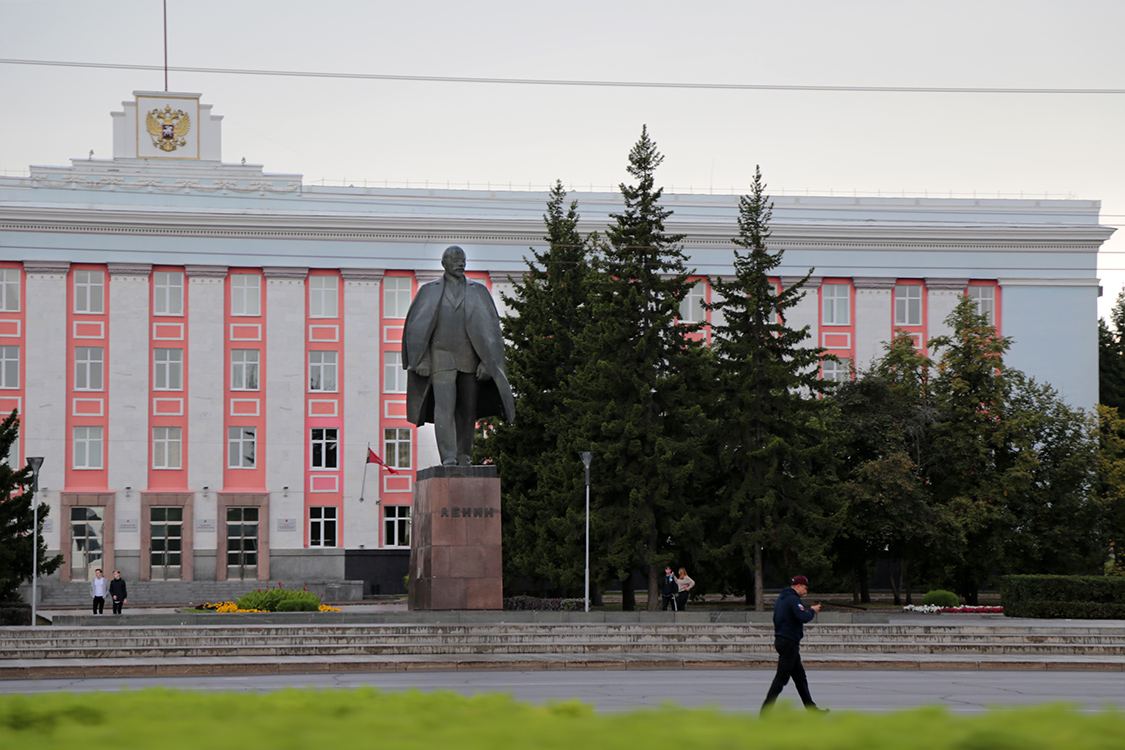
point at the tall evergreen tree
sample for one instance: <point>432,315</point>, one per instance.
<point>771,427</point>
<point>544,522</point>
<point>16,521</point>
<point>636,393</point>
<point>1111,356</point>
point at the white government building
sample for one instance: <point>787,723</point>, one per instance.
<point>202,352</point>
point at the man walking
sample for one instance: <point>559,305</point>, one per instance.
<point>789,618</point>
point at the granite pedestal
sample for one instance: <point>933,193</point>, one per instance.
<point>455,555</point>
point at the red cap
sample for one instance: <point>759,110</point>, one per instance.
<point>800,581</point>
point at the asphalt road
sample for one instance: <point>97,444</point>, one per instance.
<point>727,690</point>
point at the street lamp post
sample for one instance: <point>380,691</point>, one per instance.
<point>587,456</point>
<point>34,462</point>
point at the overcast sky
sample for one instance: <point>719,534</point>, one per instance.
<point>354,129</point>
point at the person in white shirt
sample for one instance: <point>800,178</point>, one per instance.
<point>98,588</point>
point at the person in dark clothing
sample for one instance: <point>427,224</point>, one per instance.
<point>789,618</point>
<point>669,587</point>
<point>117,592</point>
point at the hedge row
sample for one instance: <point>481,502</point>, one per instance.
<point>15,613</point>
<point>1066,597</point>
<point>540,604</point>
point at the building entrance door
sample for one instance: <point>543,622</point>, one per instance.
<point>87,541</point>
<point>242,544</point>
<point>166,527</point>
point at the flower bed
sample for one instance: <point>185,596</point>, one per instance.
<point>279,599</point>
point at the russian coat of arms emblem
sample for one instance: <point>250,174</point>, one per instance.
<point>168,128</point>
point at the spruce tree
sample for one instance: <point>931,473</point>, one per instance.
<point>636,393</point>
<point>544,522</point>
<point>1111,357</point>
<point>771,429</point>
<point>16,520</point>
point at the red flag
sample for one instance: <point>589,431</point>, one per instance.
<point>373,459</point>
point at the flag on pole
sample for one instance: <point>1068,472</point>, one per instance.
<point>373,459</point>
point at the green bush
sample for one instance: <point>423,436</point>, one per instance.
<point>1070,597</point>
<point>298,605</point>
<point>941,598</point>
<point>541,604</point>
<point>272,600</point>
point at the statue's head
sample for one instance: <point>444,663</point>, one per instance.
<point>453,261</point>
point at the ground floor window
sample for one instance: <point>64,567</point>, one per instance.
<point>396,525</point>
<point>242,544</point>
<point>322,526</point>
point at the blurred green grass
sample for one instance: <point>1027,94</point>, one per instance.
<point>365,718</point>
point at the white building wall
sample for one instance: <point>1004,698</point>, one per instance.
<point>128,368</point>
<point>128,435</point>
<point>206,377</point>
<point>807,311</point>
<point>942,296</point>
<point>43,413</point>
<point>285,388</point>
<point>1050,347</point>
<point>874,305</point>
<point>363,378</point>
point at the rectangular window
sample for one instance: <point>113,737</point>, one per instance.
<point>396,525</point>
<point>984,297</point>
<point>168,293</point>
<point>322,296</point>
<point>89,292</point>
<point>240,447</point>
<point>691,306</point>
<point>839,372</point>
<point>87,447</point>
<point>834,305</point>
<point>394,377</point>
<point>908,305</point>
<point>168,372</point>
<point>245,294</point>
<point>396,447</point>
<point>396,296</point>
<point>322,371</point>
<point>244,369</point>
<point>322,526</point>
<point>166,445</point>
<point>9,367</point>
<point>324,445</point>
<point>9,289</point>
<point>88,368</point>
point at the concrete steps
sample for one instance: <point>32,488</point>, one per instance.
<point>122,650</point>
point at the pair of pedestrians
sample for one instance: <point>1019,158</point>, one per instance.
<point>115,589</point>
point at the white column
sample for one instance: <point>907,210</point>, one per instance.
<point>284,401</point>
<point>942,295</point>
<point>128,366</point>
<point>807,311</point>
<point>206,376</point>
<point>874,308</point>
<point>363,377</point>
<point>127,441</point>
<point>43,413</point>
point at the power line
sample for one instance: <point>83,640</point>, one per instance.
<point>575,82</point>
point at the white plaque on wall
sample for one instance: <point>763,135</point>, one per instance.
<point>204,525</point>
<point>287,524</point>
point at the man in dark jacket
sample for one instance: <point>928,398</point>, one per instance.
<point>669,588</point>
<point>789,618</point>
<point>118,591</point>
